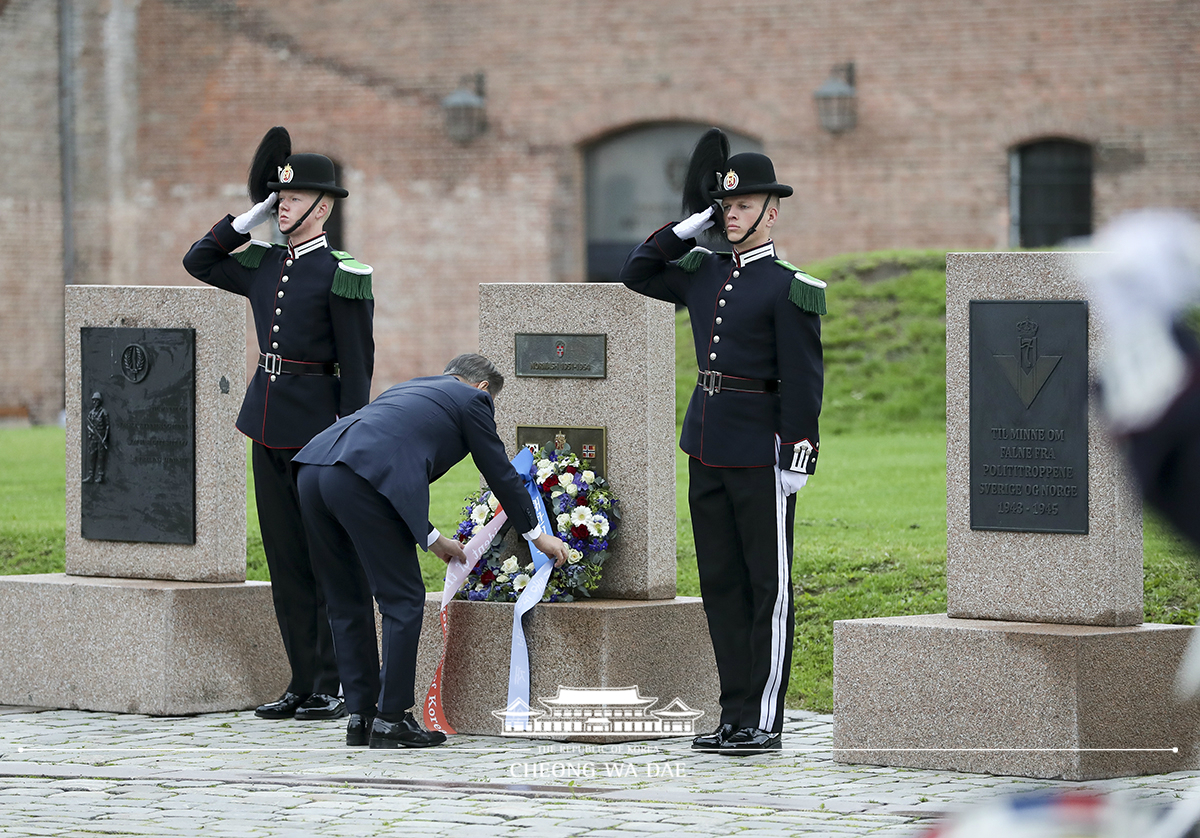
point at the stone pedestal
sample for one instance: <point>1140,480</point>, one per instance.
<point>163,629</point>
<point>662,648</point>
<point>635,632</point>
<point>1041,667</point>
<point>1004,697</point>
<point>138,646</point>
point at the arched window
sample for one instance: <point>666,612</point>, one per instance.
<point>635,185</point>
<point>1050,192</point>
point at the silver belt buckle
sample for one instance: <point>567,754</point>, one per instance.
<point>273,364</point>
<point>712,382</point>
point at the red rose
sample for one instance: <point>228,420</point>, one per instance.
<point>580,532</point>
<point>551,482</point>
<point>487,577</point>
<point>571,470</point>
<point>581,500</point>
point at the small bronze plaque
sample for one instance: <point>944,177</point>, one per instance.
<point>1029,416</point>
<point>138,436</point>
<point>588,444</point>
<point>562,356</point>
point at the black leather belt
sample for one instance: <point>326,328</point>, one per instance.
<point>275,365</point>
<point>711,381</point>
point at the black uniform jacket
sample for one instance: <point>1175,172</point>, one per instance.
<point>296,316</point>
<point>414,433</point>
<point>744,325</point>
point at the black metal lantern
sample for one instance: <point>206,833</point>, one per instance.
<point>836,105</point>
<point>466,110</point>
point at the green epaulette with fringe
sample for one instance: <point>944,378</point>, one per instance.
<point>352,279</point>
<point>807,292</point>
<point>690,263</point>
<point>252,256</point>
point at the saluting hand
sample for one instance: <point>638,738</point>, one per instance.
<point>447,549</point>
<point>256,215</point>
<point>694,224</point>
<point>553,547</point>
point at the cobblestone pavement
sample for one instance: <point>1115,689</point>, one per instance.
<point>71,773</point>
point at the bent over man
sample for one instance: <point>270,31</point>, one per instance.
<point>751,427</point>
<point>364,485</point>
<point>313,318</point>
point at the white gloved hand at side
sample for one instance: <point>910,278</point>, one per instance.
<point>693,224</point>
<point>256,215</point>
<point>793,481</point>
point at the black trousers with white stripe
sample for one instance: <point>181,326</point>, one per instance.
<point>743,528</point>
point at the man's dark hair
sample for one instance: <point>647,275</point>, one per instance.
<point>475,368</point>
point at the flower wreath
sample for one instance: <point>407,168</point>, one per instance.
<point>585,515</point>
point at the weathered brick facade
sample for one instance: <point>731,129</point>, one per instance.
<point>171,97</point>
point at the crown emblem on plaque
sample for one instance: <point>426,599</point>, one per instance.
<point>1027,371</point>
<point>1027,328</point>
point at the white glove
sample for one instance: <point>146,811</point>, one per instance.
<point>1142,272</point>
<point>693,224</point>
<point>256,215</point>
<point>793,481</point>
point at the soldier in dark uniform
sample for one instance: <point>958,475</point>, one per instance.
<point>750,429</point>
<point>313,313</point>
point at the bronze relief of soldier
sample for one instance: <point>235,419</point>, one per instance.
<point>750,431</point>
<point>313,310</point>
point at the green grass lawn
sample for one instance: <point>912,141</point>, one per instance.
<point>870,525</point>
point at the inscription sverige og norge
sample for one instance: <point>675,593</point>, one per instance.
<point>1028,415</point>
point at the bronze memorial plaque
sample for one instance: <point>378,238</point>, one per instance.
<point>561,356</point>
<point>138,435</point>
<point>588,444</point>
<point>1029,416</point>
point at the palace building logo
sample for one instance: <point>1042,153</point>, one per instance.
<point>602,711</point>
<point>1027,372</point>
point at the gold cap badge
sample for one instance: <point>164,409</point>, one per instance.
<point>731,180</point>
<point>285,174</point>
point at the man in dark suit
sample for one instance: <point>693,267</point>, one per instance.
<point>313,311</point>
<point>750,433</point>
<point>364,489</point>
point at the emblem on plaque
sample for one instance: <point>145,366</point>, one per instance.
<point>589,451</point>
<point>1028,371</point>
<point>134,363</point>
<point>587,443</point>
<point>560,348</point>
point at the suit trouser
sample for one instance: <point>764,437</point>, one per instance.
<point>742,522</point>
<point>299,603</point>
<point>361,549</point>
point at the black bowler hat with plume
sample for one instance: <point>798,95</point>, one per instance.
<point>275,168</point>
<point>713,174</point>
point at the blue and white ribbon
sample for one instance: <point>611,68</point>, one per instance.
<point>518,663</point>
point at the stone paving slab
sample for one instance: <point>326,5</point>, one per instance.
<point>78,773</point>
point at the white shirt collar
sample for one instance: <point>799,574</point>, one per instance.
<point>308,247</point>
<point>761,252</point>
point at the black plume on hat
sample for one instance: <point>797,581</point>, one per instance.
<point>700,186</point>
<point>273,151</point>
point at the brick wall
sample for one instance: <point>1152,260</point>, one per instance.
<point>176,93</point>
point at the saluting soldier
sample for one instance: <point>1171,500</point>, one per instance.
<point>751,426</point>
<point>313,312</point>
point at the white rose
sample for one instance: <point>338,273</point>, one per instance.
<point>520,582</point>
<point>598,525</point>
<point>580,515</point>
<point>480,514</point>
<point>511,565</point>
<point>544,465</point>
<point>564,522</point>
<point>501,579</point>
<point>571,489</point>
<point>493,502</point>
<point>589,477</point>
<point>574,556</point>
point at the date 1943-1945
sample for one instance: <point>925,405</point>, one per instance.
<point>1016,507</point>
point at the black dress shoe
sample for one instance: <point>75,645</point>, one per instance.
<point>403,734</point>
<point>713,741</point>
<point>752,740</point>
<point>284,708</point>
<point>318,706</point>
<point>358,729</point>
